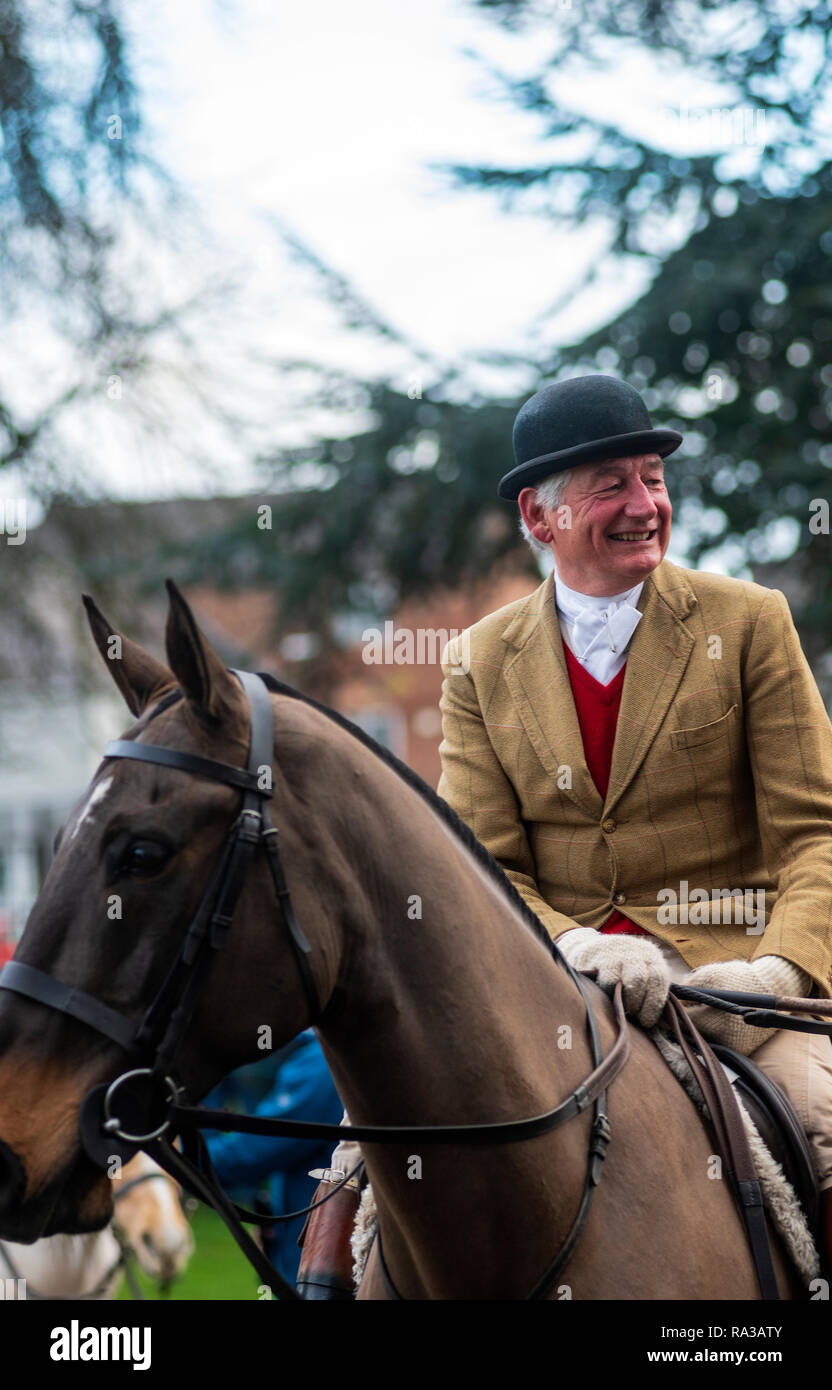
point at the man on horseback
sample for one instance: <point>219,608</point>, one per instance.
<point>638,736</point>
<point>644,750</point>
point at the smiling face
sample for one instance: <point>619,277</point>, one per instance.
<point>618,524</point>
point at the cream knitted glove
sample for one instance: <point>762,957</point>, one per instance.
<point>767,975</point>
<point>634,960</point>
<point>344,1156</point>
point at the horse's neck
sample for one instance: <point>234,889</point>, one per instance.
<point>448,1009</point>
<point>450,996</point>
<point>452,1011</point>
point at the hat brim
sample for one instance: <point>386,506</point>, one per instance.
<point>657,441</point>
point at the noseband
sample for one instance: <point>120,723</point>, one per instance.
<point>142,1107</point>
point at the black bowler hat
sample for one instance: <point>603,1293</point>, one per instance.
<point>582,420</point>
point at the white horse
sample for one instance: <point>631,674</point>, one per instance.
<point>149,1225</point>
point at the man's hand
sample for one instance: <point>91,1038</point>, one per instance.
<point>634,960</point>
<point>768,975</point>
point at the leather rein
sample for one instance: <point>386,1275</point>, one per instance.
<point>142,1108</point>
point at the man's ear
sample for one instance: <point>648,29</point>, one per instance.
<point>534,515</point>
<point>138,675</point>
<point>211,690</point>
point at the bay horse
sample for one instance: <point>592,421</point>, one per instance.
<point>441,1003</point>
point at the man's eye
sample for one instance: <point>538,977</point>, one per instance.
<point>143,858</point>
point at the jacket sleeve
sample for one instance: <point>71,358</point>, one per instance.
<point>474,784</point>
<point>789,739</point>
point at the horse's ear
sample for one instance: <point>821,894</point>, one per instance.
<point>138,675</point>
<point>210,688</point>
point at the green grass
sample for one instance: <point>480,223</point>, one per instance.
<point>218,1269</point>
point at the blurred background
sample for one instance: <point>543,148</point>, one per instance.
<point>276,278</point>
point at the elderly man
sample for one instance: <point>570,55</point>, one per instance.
<point>644,750</point>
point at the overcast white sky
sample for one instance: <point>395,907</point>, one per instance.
<point>325,116</point>
<point>329,114</point>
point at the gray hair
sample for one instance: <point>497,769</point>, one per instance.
<point>549,494</point>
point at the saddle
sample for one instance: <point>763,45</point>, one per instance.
<point>720,1089</point>
<point>779,1128</point>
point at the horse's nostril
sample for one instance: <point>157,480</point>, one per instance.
<point>12,1178</point>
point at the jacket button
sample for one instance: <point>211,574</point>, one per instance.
<point>608,826</point>
<point>619,898</point>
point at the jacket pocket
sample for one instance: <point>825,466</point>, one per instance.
<point>705,733</point>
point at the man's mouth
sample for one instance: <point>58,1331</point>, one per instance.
<point>631,537</point>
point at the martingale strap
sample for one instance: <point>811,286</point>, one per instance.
<point>496,1132</point>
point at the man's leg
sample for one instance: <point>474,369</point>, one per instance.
<point>325,1270</point>
<point>801,1065</point>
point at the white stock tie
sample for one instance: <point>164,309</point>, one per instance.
<point>599,628</point>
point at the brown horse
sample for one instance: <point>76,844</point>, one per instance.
<point>441,1004</point>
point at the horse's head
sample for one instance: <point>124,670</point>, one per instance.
<point>132,863</point>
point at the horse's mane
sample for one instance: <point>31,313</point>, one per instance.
<point>427,793</point>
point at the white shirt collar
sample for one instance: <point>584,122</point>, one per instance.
<point>598,628</point>
<point>571,601</point>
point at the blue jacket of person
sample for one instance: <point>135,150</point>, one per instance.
<point>302,1089</point>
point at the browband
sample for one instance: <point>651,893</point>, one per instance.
<point>187,762</point>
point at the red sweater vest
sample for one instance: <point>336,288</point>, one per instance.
<point>597,706</point>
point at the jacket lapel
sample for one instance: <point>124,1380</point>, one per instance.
<point>539,683</point>
<point>659,652</point>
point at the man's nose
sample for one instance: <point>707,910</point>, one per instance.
<point>639,500</point>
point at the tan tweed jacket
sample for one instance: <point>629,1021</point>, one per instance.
<point>721,775</point>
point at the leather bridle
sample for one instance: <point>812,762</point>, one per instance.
<point>142,1108</point>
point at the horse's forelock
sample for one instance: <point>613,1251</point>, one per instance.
<point>171,697</point>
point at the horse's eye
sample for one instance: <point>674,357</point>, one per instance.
<point>144,857</point>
